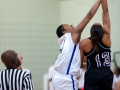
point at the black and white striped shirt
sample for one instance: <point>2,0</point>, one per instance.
<point>14,79</point>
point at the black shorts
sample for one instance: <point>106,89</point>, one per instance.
<point>98,78</point>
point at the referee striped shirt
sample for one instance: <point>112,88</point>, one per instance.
<point>14,79</point>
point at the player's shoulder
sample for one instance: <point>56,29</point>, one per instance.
<point>68,35</point>
<point>85,41</point>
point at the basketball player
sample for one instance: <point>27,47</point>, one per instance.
<point>96,48</point>
<point>67,64</point>
<point>13,78</point>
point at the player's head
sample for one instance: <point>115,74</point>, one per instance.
<point>10,59</point>
<point>96,32</point>
<point>21,60</point>
<point>64,28</point>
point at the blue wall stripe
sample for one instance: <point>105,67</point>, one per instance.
<point>68,69</point>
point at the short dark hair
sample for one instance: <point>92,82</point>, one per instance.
<point>59,31</point>
<point>8,58</point>
<point>96,34</point>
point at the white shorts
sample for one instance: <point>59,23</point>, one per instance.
<point>64,82</point>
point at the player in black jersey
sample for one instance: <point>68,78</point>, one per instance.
<point>96,48</point>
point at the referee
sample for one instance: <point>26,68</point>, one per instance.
<point>12,78</point>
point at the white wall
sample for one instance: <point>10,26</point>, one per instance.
<point>29,11</point>
<point>28,27</point>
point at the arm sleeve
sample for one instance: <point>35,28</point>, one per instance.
<point>27,83</point>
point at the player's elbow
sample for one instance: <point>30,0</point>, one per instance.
<point>90,14</point>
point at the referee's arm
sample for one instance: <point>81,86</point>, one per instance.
<point>27,82</point>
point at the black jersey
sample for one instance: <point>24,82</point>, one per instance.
<point>100,58</point>
<point>98,75</point>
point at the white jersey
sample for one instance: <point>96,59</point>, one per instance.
<point>68,61</point>
<point>51,72</point>
<point>115,80</point>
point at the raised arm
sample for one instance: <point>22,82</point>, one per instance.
<point>105,18</point>
<point>78,30</point>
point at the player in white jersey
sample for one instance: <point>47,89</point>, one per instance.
<point>68,63</point>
